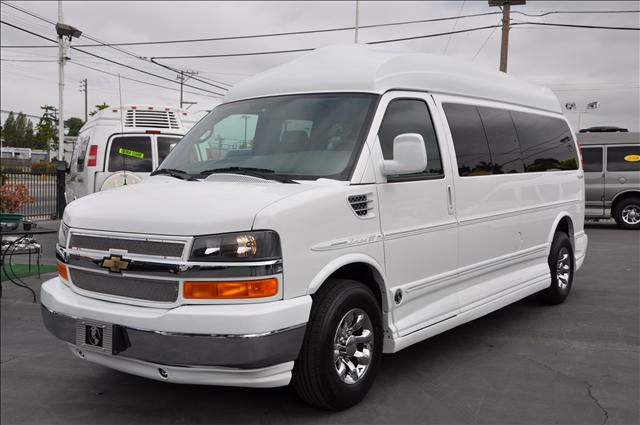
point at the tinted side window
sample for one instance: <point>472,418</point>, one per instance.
<point>592,160</point>
<point>132,153</point>
<point>503,141</point>
<point>165,144</point>
<point>545,142</point>
<point>469,140</point>
<point>82,152</point>
<point>410,116</point>
<point>623,158</point>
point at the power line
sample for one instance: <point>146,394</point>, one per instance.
<point>101,43</point>
<point>316,31</point>
<point>484,43</point>
<point>278,34</point>
<point>600,27</point>
<point>133,79</point>
<point>394,40</point>
<point>108,60</point>
<point>29,60</point>
<point>455,24</point>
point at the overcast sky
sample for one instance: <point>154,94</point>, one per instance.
<point>580,65</point>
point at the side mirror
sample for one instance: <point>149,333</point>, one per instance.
<point>409,155</point>
<point>171,146</point>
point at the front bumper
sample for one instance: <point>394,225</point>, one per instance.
<point>240,338</point>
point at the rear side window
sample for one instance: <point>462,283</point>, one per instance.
<point>165,144</point>
<point>545,142</point>
<point>82,152</point>
<point>411,116</point>
<point>131,153</point>
<point>623,158</point>
<point>503,141</point>
<point>592,160</point>
<point>469,140</point>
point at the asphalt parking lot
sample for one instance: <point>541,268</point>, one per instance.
<point>577,363</point>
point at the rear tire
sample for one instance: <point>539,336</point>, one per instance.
<point>561,266</point>
<point>345,326</point>
<point>627,213</point>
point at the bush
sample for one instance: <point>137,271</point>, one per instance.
<point>12,198</point>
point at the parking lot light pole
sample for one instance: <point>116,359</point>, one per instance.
<point>591,106</point>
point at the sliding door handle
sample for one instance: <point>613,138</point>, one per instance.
<point>450,199</point>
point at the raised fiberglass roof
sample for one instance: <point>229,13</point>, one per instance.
<point>363,68</point>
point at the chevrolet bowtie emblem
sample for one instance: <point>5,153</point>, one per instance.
<point>115,264</point>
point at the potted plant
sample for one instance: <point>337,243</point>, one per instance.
<point>12,198</point>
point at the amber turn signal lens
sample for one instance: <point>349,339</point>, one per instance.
<point>231,289</point>
<point>63,272</point>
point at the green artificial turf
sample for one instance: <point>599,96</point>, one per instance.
<point>22,270</point>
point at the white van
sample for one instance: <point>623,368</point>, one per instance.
<point>122,144</point>
<point>347,204</point>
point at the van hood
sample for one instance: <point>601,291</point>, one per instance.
<point>163,205</point>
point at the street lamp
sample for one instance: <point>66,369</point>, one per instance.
<point>65,34</point>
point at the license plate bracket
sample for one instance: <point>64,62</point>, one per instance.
<point>96,336</point>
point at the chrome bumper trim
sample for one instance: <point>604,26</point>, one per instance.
<point>239,350</point>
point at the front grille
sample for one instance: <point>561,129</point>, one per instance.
<point>130,287</point>
<point>132,246</point>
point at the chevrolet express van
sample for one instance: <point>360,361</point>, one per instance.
<point>349,203</point>
<point>123,144</point>
<point>612,176</point>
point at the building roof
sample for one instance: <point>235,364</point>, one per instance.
<point>363,68</point>
<point>608,138</point>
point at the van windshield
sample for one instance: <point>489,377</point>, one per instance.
<point>303,137</point>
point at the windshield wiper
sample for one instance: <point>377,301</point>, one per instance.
<point>263,173</point>
<point>179,174</point>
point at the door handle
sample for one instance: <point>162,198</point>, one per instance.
<point>450,199</point>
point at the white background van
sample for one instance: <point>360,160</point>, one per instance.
<point>110,152</point>
<point>350,203</point>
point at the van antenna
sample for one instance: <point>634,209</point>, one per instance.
<point>124,169</point>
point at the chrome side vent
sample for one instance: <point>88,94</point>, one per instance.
<point>361,204</point>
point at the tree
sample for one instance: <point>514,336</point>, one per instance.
<point>74,124</point>
<point>18,131</point>
<point>47,128</point>
<point>99,108</point>
<point>9,130</point>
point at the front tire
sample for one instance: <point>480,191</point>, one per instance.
<point>342,346</point>
<point>561,266</point>
<point>627,213</point>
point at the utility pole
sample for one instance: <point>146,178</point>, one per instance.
<point>506,16</point>
<point>65,34</point>
<point>61,62</point>
<point>357,18</point>
<point>84,87</point>
<point>184,76</point>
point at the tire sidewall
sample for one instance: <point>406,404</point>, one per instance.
<point>356,296</point>
<point>560,240</point>
<point>617,213</point>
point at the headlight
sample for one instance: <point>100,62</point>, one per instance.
<point>245,246</point>
<point>63,234</point>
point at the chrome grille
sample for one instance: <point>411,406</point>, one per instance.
<point>360,204</point>
<point>129,287</point>
<point>133,246</point>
